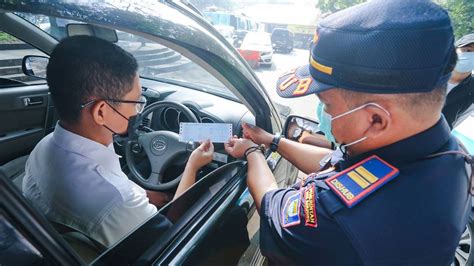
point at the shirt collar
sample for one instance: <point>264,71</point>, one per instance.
<point>103,155</point>
<point>410,149</point>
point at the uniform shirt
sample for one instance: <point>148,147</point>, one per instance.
<point>415,219</point>
<point>460,102</point>
<point>78,182</point>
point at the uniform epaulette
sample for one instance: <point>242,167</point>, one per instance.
<point>358,181</point>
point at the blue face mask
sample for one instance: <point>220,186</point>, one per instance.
<point>465,62</point>
<point>325,122</point>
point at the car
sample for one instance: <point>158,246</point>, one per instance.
<point>282,40</point>
<point>188,72</point>
<point>232,26</point>
<point>257,49</point>
<point>464,253</point>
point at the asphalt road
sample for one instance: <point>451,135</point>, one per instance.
<point>304,106</point>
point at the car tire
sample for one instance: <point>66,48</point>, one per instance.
<point>464,253</point>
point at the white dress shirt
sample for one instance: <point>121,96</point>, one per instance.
<point>78,182</point>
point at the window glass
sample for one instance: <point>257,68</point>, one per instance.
<point>12,51</point>
<point>15,249</point>
<point>155,61</point>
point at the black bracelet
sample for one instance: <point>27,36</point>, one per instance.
<point>275,142</point>
<point>252,149</point>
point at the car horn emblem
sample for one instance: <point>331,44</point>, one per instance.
<point>159,144</point>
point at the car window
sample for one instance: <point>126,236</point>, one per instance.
<point>15,248</point>
<point>155,61</point>
<point>13,51</point>
<point>465,133</point>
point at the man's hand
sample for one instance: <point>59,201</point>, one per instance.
<point>257,135</point>
<point>202,155</point>
<point>237,147</point>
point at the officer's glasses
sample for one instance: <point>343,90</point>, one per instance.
<point>139,105</point>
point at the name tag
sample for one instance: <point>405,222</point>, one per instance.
<point>358,181</point>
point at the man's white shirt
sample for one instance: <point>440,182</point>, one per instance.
<point>78,182</point>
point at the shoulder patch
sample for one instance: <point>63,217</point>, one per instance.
<point>360,180</point>
<point>290,214</point>
<point>310,206</point>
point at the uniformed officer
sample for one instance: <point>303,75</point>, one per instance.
<point>395,191</point>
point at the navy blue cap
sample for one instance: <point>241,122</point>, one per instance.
<point>381,46</point>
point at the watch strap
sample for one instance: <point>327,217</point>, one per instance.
<point>275,142</point>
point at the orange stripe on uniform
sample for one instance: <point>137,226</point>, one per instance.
<point>320,67</point>
<point>366,174</point>
<point>358,179</point>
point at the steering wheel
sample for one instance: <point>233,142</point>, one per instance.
<point>161,147</point>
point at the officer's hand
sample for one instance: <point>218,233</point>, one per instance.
<point>237,147</point>
<point>202,155</point>
<point>257,135</point>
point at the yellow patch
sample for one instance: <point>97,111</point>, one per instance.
<point>321,67</point>
<point>366,174</point>
<point>358,179</point>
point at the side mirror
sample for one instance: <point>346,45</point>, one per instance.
<point>35,66</point>
<point>305,130</point>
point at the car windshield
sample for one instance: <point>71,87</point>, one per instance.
<point>155,61</point>
<point>218,18</point>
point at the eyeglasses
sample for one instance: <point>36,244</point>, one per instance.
<point>139,105</point>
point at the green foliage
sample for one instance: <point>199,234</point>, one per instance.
<point>203,4</point>
<point>5,37</point>
<point>332,6</point>
<point>460,11</point>
<point>462,15</point>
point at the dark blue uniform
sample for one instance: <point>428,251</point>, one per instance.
<point>415,217</point>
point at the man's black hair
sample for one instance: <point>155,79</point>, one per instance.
<point>84,68</point>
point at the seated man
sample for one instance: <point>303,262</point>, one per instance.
<point>73,175</point>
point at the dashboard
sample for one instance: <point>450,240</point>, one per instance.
<point>207,108</point>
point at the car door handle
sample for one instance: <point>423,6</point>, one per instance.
<point>31,101</point>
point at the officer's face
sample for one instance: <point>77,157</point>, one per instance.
<point>370,121</point>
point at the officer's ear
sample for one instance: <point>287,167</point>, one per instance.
<point>99,112</point>
<point>380,121</point>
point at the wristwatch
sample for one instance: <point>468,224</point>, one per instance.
<point>275,142</point>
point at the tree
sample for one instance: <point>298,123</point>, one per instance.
<point>460,11</point>
<point>462,15</point>
<point>332,6</point>
<point>203,4</point>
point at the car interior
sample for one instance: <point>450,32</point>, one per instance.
<point>28,114</point>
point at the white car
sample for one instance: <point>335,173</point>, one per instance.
<point>257,49</point>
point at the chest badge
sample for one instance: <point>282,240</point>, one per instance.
<point>360,180</point>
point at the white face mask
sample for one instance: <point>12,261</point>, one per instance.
<point>465,62</point>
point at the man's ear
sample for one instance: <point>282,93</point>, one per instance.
<point>380,122</point>
<point>99,112</point>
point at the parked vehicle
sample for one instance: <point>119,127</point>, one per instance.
<point>232,26</point>
<point>282,40</point>
<point>257,49</point>
<point>188,73</point>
